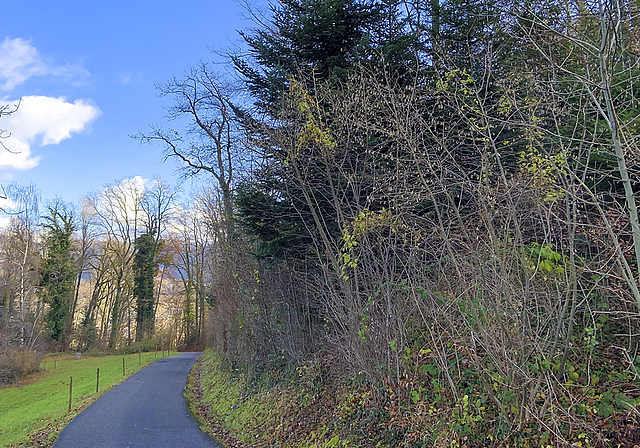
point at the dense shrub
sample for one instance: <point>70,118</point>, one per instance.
<point>15,363</point>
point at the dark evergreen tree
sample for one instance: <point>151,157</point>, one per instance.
<point>144,270</point>
<point>315,40</point>
<point>319,43</point>
<point>57,281</point>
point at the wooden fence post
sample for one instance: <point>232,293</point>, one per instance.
<point>97,379</point>
<point>70,391</point>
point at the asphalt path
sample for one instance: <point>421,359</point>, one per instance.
<point>146,410</point>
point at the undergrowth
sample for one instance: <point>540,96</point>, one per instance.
<point>304,407</point>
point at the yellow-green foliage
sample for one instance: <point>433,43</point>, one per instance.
<point>24,410</point>
<point>312,131</point>
<point>542,259</point>
<point>456,79</point>
<point>544,172</point>
<point>366,221</point>
<point>420,411</point>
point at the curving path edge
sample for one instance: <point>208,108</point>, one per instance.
<point>146,410</point>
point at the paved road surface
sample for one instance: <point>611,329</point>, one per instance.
<point>146,410</point>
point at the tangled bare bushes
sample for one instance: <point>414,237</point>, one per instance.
<point>260,313</point>
<point>491,280</point>
<point>20,356</point>
<point>16,363</point>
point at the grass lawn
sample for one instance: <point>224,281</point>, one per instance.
<point>44,400</point>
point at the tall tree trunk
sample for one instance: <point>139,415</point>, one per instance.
<point>115,316</point>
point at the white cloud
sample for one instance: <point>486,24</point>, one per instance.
<point>53,118</point>
<point>135,184</point>
<point>17,155</point>
<point>130,77</point>
<point>6,205</point>
<point>120,202</point>
<point>19,61</point>
<point>43,120</point>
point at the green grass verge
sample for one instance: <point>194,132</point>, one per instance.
<point>25,410</point>
<point>274,413</point>
<point>216,397</point>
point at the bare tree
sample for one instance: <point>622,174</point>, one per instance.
<point>85,248</point>
<point>156,203</point>
<point>5,110</point>
<point>118,211</point>
<point>25,221</point>
<point>210,140</point>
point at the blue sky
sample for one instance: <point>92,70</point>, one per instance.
<point>85,71</point>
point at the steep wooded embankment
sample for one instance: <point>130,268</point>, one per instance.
<point>307,408</point>
<point>442,226</point>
